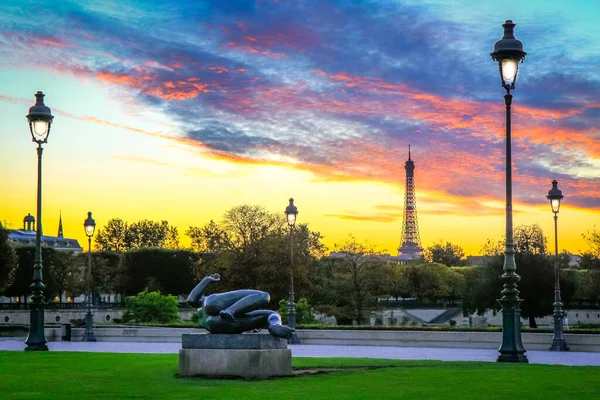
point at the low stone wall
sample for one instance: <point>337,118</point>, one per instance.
<point>126,334</point>
<point>62,316</point>
<point>471,340</point>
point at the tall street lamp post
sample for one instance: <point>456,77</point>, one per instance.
<point>88,336</point>
<point>291,211</point>
<point>508,52</point>
<point>40,120</point>
<point>558,340</point>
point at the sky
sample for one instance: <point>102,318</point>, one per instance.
<point>178,110</point>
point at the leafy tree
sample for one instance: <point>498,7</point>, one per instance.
<point>593,239</point>
<point>530,239</point>
<point>589,261</point>
<point>65,274</point>
<point>534,267</point>
<point>433,281</point>
<point>23,277</point>
<point>591,286</point>
<point>209,238</point>
<point>492,248</point>
<point>119,236</point>
<point>358,277</point>
<point>250,248</point>
<point>8,260</point>
<point>146,233</point>
<point>151,307</point>
<point>170,271</point>
<point>396,282</point>
<point>482,287</point>
<point>113,237</point>
<point>107,272</point>
<point>447,254</point>
<point>304,312</point>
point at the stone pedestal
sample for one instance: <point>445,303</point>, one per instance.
<point>246,356</point>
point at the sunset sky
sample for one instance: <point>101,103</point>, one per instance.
<point>179,110</point>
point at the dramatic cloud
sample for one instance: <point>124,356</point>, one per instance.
<point>338,88</point>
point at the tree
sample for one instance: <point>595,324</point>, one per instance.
<point>146,233</point>
<point>119,236</point>
<point>396,282</point>
<point>530,239</point>
<point>535,268</point>
<point>250,248</point>
<point>64,274</point>
<point>150,269</point>
<point>210,238</point>
<point>107,271</point>
<point>589,261</point>
<point>433,281</point>
<point>8,260</point>
<point>447,254</point>
<point>113,237</point>
<point>359,276</point>
<point>593,239</point>
<point>482,287</point>
<point>23,277</point>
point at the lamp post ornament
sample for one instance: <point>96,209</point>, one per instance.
<point>508,52</point>
<point>40,120</point>
<point>559,343</point>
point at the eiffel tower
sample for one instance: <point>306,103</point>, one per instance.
<point>410,242</point>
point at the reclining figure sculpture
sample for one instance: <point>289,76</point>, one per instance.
<point>237,311</point>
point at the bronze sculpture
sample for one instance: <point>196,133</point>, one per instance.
<point>237,311</point>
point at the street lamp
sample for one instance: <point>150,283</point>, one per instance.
<point>40,120</point>
<point>558,340</point>
<point>291,211</point>
<point>508,52</point>
<point>90,227</point>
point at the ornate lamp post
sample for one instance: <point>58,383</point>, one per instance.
<point>558,340</point>
<point>291,211</point>
<point>40,120</point>
<point>508,51</point>
<point>88,336</point>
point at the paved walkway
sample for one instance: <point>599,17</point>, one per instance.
<point>392,353</point>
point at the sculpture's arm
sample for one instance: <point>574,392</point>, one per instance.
<point>198,291</point>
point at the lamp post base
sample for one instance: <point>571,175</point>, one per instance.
<point>36,339</point>
<point>559,345</point>
<point>511,349</point>
<point>88,335</point>
<point>37,347</point>
<point>513,358</point>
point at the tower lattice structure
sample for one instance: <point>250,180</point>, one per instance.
<point>410,242</point>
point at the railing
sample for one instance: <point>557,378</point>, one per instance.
<point>75,306</point>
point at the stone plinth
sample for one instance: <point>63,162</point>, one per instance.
<point>246,356</point>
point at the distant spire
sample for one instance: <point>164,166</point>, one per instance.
<point>60,228</point>
<point>409,152</point>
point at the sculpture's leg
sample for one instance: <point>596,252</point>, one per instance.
<point>245,305</point>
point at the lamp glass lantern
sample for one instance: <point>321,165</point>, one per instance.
<point>508,52</point>
<point>291,211</point>
<point>89,225</point>
<point>555,197</point>
<point>40,119</point>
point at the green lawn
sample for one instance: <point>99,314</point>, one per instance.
<point>62,375</point>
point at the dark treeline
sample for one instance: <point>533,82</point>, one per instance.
<point>250,248</point>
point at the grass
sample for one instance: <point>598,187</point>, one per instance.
<point>64,376</point>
